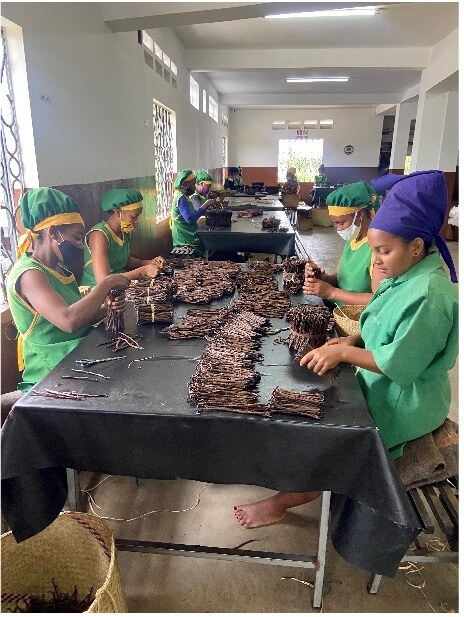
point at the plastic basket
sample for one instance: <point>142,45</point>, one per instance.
<point>76,550</point>
<point>347,318</point>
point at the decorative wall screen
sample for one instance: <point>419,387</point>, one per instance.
<point>165,144</point>
<point>12,171</point>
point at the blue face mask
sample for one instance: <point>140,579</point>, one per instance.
<point>189,191</point>
<point>72,256</point>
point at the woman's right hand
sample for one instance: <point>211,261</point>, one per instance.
<point>151,270</point>
<point>312,269</point>
<point>344,340</point>
<point>208,203</point>
<point>116,281</point>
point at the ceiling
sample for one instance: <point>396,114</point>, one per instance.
<point>247,57</point>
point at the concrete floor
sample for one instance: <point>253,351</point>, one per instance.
<point>155,583</point>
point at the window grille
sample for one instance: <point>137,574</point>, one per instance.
<point>12,170</point>
<point>164,137</point>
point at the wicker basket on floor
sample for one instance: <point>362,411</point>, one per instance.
<point>347,318</point>
<point>76,550</point>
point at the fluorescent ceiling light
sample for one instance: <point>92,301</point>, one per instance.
<point>355,12</point>
<point>304,80</point>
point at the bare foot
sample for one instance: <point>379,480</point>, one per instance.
<point>260,513</point>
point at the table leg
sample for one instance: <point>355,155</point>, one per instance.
<point>74,492</point>
<point>322,548</point>
<point>374,583</point>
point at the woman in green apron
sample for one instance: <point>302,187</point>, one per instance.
<point>43,296</point>
<point>107,244</point>
<point>203,182</point>
<point>351,208</point>
<point>184,217</point>
<point>409,329</point>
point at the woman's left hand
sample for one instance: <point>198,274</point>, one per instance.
<point>158,261</point>
<point>323,358</point>
<point>316,287</point>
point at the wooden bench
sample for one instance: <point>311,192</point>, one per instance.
<point>436,506</point>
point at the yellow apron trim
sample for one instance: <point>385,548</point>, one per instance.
<point>32,326</point>
<point>355,245</point>
<point>20,352</point>
<point>65,218</point>
<point>61,277</point>
<point>135,206</point>
<point>115,237</point>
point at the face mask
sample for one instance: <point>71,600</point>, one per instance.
<point>189,191</point>
<point>203,190</point>
<point>72,256</point>
<point>126,226</point>
<point>350,233</point>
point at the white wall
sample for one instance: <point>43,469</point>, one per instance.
<point>101,94</point>
<point>254,143</point>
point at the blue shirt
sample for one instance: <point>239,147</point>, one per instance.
<point>187,214</point>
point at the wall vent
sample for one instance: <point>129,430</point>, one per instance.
<point>148,58</point>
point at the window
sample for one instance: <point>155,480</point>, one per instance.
<point>194,93</point>
<point>12,186</point>
<point>173,68</point>
<point>213,109</point>
<point>303,154</point>
<point>147,40</point>
<point>326,124</point>
<point>164,126</point>
<point>278,125</point>
<point>205,102</point>
<point>407,164</point>
<point>166,60</point>
<point>158,51</point>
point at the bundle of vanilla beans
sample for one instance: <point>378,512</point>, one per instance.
<point>294,274</point>
<point>258,292</point>
<point>270,223</point>
<point>200,282</point>
<point>115,319</point>
<point>301,403</point>
<point>249,214</point>
<point>58,602</point>
<point>225,378</point>
<point>263,267</point>
<point>198,323</point>
<point>154,297</point>
<point>218,217</point>
<point>308,328</point>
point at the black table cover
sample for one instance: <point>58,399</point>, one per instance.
<point>247,235</point>
<point>319,193</point>
<point>276,206</point>
<point>145,428</point>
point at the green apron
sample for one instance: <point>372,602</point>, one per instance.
<point>320,180</point>
<point>118,253</point>
<point>183,233</point>
<point>44,345</point>
<point>411,327</point>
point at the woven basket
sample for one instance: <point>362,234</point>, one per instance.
<point>347,318</point>
<point>75,550</point>
<point>290,200</point>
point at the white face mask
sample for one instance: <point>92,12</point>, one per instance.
<point>350,233</point>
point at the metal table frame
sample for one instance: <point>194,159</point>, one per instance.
<point>171,549</point>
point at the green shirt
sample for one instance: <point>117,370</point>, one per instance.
<point>44,345</point>
<point>183,233</point>
<point>118,253</point>
<point>411,327</point>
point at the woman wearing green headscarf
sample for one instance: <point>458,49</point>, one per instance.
<point>184,217</point>
<point>203,182</point>
<point>43,296</point>
<point>107,249</point>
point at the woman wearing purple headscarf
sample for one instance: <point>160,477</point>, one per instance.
<point>409,329</point>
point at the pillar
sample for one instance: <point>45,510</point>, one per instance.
<point>405,112</point>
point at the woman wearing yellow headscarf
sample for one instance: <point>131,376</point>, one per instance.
<point>350,208</point>
<point>107,244</point>
<point>43,296</point>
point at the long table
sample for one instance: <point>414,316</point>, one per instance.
<point>247,235</point>
<point>249,203</point>
<point>145,428</point>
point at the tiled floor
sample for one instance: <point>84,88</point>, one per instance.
<point>156,583</point>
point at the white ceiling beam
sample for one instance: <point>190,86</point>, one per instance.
<point>255,59</point>
<point>130,16</point>
<point>385,110</point>
<point>288,100</point>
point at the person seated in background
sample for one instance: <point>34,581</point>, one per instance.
<point>240,175</point>
<point>351,208</point>
<point>408,337</point>
<point>43,295</point>
<point>203,182</point>
<point>107,244</point>
<point>184,217</point>
<point>321,178</point>
<point>233,182</point>
<point>291,186</point>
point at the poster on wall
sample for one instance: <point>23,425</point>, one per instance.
<point>302,134</point>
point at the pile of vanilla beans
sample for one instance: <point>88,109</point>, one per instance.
<point>294,274</point>
<point>259,293</point>
<point>154,297</point>
<point>200,282</point>
<point>270,223</point>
